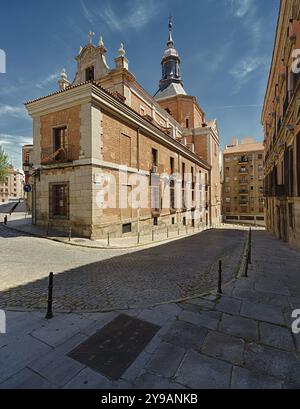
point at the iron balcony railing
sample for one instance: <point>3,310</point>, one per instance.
<point>52,155</point>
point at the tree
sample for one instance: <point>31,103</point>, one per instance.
<point>3,165</point>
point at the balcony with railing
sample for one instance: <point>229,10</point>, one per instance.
<point>244,171</point>
<point>244,181</point>
<point>244,192</point>
<point>62,154</point>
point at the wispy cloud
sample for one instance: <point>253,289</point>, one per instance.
<point>48,80</point>
<point>239,8</point>
<point>15,111</point>
<point>242,71</point>
<point>14,140</point>
<point>138,14</point>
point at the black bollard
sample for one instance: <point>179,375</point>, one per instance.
<point>49,315</point>
<point>5,220</point>
<point>220,278</point>
<point>108,239</point>
<point>152,235</point>
<point>138,238</point>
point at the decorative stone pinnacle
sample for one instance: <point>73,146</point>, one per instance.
<point>101,43</point>
<point>63,74</point>
<point>121,50</point>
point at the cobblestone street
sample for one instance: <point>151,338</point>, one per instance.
<point>96,280</point>
<point>239,340</point>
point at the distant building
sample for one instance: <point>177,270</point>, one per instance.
<point>243,176</point>
<point>105,124</point>
<point>281,121</point>
<point>12,187</point>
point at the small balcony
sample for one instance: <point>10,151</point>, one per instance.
<point>52,155</point>
<point>244,192</point>
<point>244,171</point>
<point>244,181</point>
<point>244,203</point>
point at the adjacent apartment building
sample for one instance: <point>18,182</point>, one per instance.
<point>243,177</point>
<point>103,135</point>
<point>281,121</point>
<point>12,187</point>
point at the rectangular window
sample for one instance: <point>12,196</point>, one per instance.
<point>172,165</point>
<point>90,74</point>
<point>59,200</point>
<point>60,138</point>
<point>184,221</point>
<point>126,228</point>
<point>154,157</point>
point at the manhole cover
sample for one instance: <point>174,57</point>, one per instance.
<point>112,350</point>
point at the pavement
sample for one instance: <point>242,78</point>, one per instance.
<point>21,222</point>
<point>239,340</point>
<point>94,280</point>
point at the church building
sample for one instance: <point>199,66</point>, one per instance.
<point>102,132</point>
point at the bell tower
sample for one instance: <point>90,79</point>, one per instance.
<point>171,83</point>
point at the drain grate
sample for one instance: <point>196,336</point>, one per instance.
<point>113,349</point>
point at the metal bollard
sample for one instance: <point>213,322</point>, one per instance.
<point>220,278</point>
<point>152,235</point>
<point>5,220</point>
<point>49,315</point>
<point>138,238</point>
<point>178,231</point>
<point>108,239</point>
<point>167,232</point>
<point>70,233</point>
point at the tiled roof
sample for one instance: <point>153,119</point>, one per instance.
<point>249,147</point>
<point>69,88</point>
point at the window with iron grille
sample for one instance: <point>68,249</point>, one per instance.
<point>59,200</point>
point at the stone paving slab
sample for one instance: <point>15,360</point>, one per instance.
<point>224,347</point>
<point>201,372</point>
<point>242,378</point>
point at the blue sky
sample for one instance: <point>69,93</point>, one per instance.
<point>225,48</point>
